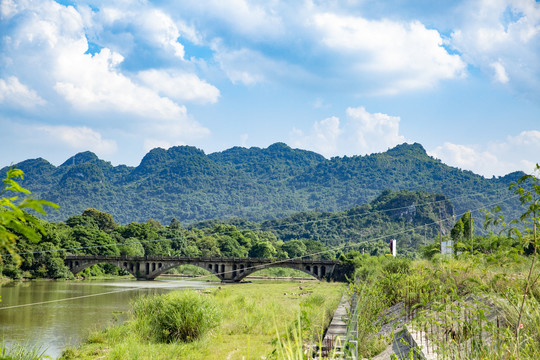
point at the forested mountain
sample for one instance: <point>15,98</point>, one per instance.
<point>254,184</point>
<point>412,218</point>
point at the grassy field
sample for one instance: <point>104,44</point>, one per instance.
<point>251,317</point>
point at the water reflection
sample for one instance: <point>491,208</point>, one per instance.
<point>55,322</point>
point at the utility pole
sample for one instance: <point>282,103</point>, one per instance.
<point>440,227</point>
<point>471,232</point>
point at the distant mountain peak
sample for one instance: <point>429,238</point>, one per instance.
<point>407,149</point>
<point>279,146</point>
<point>183,150</point>
<point>81,158</point>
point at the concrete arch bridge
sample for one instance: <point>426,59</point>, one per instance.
<point>226,269</point>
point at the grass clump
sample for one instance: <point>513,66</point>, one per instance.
<point>22,352</point>
<point>177,316</point>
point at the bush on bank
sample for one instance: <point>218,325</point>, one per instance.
<point>177,316</point>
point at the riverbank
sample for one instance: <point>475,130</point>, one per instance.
<point>251,317</point>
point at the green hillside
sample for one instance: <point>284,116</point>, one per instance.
<point>254,184</point>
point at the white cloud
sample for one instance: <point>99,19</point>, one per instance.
<point>250,67</point>
<point>261,21</point>
<point>80,138</point>
<point>500,74</point>
<point>407,55</point>
<point>164,31</point>
<point>362,133</point>
<point>243,140</point>
<point>47,47</point>
<point>7,8</point>
<point>468,157</point>
<point>123,26</point>
<point>243,66</point>
<point>497,158</point>
<point>502,37</point>
<point>526,138</point>
<point>93,83</point>
<point>180,86</point>
<point>323,137</point>
<point>13,92</point>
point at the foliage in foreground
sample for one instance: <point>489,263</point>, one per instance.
<point>15,221</point>
<point>466,307</point>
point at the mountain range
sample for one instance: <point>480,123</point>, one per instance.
<point>255,184</point>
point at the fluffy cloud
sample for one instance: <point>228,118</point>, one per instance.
<point>17,94</point>
<point>127,28</point>
<point>46,47</point>
<point>502,37</point>
<point>244,18</point>
<point>80,138</point>
<point>255,41</point>
<point>180,87</point>
<point>500,74</point>
<point>497,158</point>
<point>407,55</point>
<point>361,133</point>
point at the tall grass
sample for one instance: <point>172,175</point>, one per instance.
<point>22,352</point>
<point>472,306</point>
<point>177,316</point>
<point>463,307</point>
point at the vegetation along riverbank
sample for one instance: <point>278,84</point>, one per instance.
<point>241,321</point>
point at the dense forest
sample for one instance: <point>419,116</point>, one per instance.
<point>400,215</point>
<point>253,184</point>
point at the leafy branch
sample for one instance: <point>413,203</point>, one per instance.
<point>15,221</point>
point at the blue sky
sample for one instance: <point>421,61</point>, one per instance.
<point>337,77</point>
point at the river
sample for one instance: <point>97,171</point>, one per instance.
<point>56,314</point>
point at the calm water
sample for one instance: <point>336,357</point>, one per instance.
<point>54,324</point>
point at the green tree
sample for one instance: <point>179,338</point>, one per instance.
<point>295,248</point>
<point>457,231</point>
<point>104,220</point>
<point>229,247</point>
<point>175,224</point>
<point>262,249</point>
<point>95,242</point>
<point>131,247</point>
<point>15,221</point>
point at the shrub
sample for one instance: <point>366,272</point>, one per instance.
<point>397,266</point>
<point>177,316</point>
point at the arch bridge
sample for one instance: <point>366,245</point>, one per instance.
<point>226,269</point>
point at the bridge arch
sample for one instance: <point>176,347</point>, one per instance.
<point>307,269</point>
<point>171,265</point>
<point>76,266</point>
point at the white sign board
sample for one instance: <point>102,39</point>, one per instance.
<point>447,247</point>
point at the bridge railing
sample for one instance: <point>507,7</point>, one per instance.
<point>350,343</point>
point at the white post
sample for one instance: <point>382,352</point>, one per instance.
<point>393,245</point>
